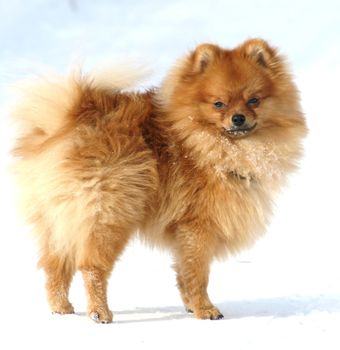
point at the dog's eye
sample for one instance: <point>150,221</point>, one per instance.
<point>253,101</point>
<point>219,105</point>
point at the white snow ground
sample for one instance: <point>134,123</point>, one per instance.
<point>282,294</point>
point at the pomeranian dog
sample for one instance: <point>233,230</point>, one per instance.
<point>192,166</point>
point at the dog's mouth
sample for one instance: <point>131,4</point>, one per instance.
<point>237,132</point>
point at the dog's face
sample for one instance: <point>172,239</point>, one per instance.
<point>231,94</point>
<point>235,111</point>
<point>234,93</point>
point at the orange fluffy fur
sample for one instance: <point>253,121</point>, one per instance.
<point>95,165</point>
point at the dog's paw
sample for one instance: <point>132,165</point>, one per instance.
<point>104,316</point>
<point>63,309</point>
<point>208,314</point>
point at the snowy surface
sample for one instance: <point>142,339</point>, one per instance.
<point>282,294</point>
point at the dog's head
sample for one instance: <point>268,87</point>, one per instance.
<point>240,106</point>
<point>233,92</point>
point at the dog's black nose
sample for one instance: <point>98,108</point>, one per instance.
<point>238,119</point>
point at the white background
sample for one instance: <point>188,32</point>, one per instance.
<point>282,294</point>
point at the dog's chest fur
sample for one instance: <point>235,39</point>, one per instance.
<point>227,206</point>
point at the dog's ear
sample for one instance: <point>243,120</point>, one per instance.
<point>259,51</point>
<point>203,55</point>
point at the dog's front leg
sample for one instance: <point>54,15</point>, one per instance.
<point>193,255</point>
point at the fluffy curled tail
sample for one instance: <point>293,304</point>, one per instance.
<point>45,102</point>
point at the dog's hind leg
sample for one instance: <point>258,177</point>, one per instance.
<point>59,272</point>
<point>102,250</point>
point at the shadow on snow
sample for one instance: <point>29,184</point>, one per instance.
<point>273,307</point>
